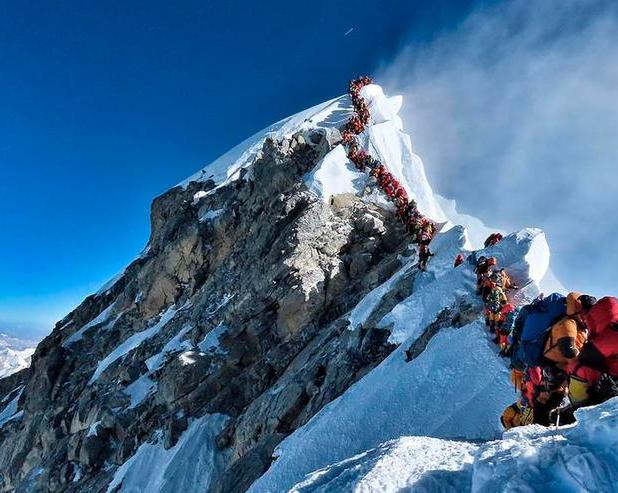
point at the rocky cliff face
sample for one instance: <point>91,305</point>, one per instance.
<point>233,311</point>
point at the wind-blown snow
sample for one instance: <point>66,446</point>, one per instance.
<point>475,228</point>
<point>132,342</point>
<point>382,108</point>
<point>190,465</point>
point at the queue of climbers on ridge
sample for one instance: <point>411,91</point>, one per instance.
<point>563,350</point>
<point>421,228</point>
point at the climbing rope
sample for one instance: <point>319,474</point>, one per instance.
<point>421,228</point>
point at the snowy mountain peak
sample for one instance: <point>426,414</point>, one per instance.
<point>276,333</point>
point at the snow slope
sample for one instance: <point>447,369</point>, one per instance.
<point>422,463</point>
<point>15,354</point>
<point>188,466</point>
<point>441,393</point>
<point>577,458</point>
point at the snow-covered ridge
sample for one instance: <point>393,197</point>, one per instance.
<point>385,140</point>
<point>581,457</point>
<point>442,393</point>
<point>226,168</point>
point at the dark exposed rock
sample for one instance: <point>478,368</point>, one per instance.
<point>261,275</point>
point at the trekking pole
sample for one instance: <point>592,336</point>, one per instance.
<point>558,418</point>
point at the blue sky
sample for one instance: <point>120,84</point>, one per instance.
<point>104,105</point>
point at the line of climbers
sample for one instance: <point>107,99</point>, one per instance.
<point>421,228</point>
<point>563,350</point>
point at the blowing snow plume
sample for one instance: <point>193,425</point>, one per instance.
<point>522,96</point>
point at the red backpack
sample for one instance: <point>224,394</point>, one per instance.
<point>601,350</point>
<point>602,316</point>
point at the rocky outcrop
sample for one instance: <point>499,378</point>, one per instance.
<point>237,308</point>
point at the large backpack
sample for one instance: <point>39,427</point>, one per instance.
<point>496,300</point>
<point>537,325</point>
<point>515,337</point>
<point>602,316</point>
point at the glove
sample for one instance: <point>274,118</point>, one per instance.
<point>517,378</point>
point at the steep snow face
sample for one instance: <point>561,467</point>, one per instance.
<point>335,175</point>
<point>385,140</point>
<point>190,465</point>
<point>580,457</point>
<point>455,388</point>
<point>442,393</point>
<point>15,354</point>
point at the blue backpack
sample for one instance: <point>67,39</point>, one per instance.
<point>542,315</point>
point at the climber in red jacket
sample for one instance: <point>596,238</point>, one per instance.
<point>598,357</point>
<point>493,239</point>
<point>459,260</point>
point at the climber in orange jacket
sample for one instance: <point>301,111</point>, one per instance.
<point>502,280</point>
<point>567,337</point>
